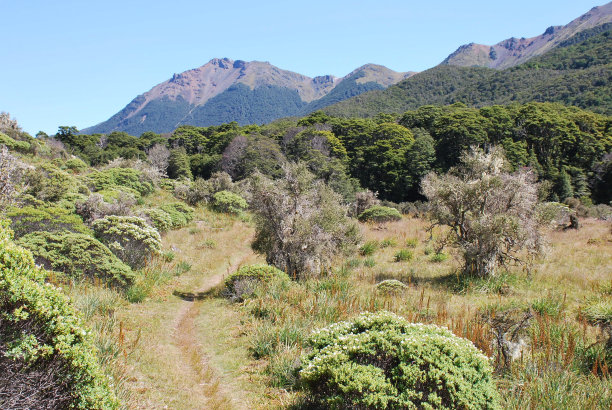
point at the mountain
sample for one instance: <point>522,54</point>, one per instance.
<point>514,51</point>
<point>577,72</point>
<point>224,90</point>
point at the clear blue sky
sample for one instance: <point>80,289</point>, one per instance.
<point>78,62</point>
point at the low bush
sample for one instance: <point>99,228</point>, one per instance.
<point>50,219</point>
<point>380,214</point>
<point>75,164</point>
<point>14,145</point>
<point>241,283</point>
<point>160,219</point>
<point>78,256</point>
<point>96,207</point>
<point>390,287</point>
<point>47,357</point>
<point>180,214</point>
<point>228,202</point>
<point>380,360</point>
<point>48,183</point>
<point>128,237</point>
<point>120,177</point>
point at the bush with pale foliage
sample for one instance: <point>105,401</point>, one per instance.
<point>300,224</point>
<point>492,214</point>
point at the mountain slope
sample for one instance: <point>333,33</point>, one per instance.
<point>225,90</point>
<point>577,72</point>
<point>513,51</point>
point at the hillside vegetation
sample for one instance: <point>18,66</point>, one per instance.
<point>575,73</point>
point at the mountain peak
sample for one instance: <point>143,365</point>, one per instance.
<point>513,51</point>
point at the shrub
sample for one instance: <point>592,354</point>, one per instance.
<point>160,219</point>
<point>48,183</point>
<point>51,219</point>
<point>10,143</point>
<point>300,223</point>
<point>380,360</point>
<point>242,282</point>
<point>48,359</point>
<point>492,214</point>
<point>11,174</point>
<point>199,191</point>
<point>380,214</point>
<point>390,287</point>
<point>128,237</point>
<point>120,177</point>
<point>95,206</point>
<point>368,248</point>
<point>225,201</point>
<point>403,255</point>
<point>77,255</point>
<point>75,164</point>
<point>180,214</point>
<point>363,200</point>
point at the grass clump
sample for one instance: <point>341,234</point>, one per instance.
<point>388,243</point>
<point>380,360</point>
<point>368,248</point>
<point>438,257</point>
<point>412,242</point>
<point>369,262</point>
<point>380,214</point>
<point>403,255</point>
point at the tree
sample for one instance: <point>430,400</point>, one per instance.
<point>178,164</point>
<point>159,157</point>
<point>491,213</point>
<point>299,223</point>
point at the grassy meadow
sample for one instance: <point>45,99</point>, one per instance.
<point>183,344</point>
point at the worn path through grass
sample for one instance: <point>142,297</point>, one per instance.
<point>190,354</point>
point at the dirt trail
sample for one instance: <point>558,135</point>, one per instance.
<point>209,390</point>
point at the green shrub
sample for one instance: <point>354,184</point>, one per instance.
<point>229,202</point>
<point>120,177</point>
<point>48,358</point>
<point>128,237</point>
<point>390,287</point>
<point>242,282</point>
<point>77,255</point>
<point>180,214</point>
<point>380,360</point>
<point>48,183</point>
<point>20,146</point>
<point>368,248</point>
<point>76,164</point>
<point>51,219</point>
<point>160,219</point>
<point>403,255</point>
<point>380,214</point>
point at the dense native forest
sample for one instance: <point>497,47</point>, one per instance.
<point>575,73</point>
<point>389,154</point>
